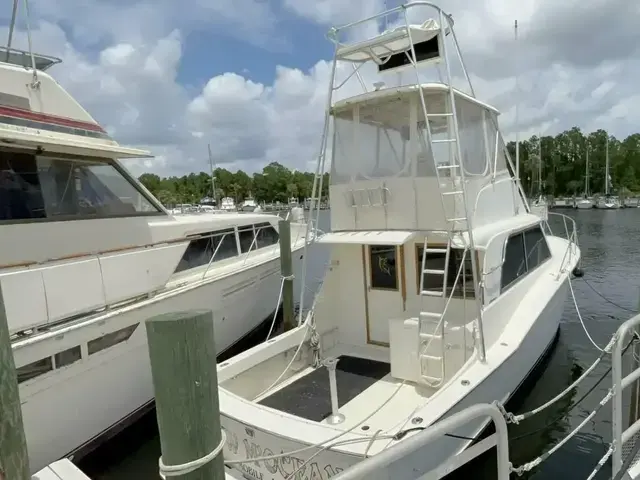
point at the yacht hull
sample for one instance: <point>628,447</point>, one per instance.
<point>584,205</point>
<point>245,441</point>
<point>71,407</point>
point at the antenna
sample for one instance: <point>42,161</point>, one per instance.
<point>517,102</point>
<point>11,26</point>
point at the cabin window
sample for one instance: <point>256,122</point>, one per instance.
<point>34,369</point>
<point>524,252</point>
<point>200,249</point>
<point>514,265</point>
<point>39,187</point>
<point>110,339</point>
<point>536,247</point>
<point>67,357</point>
<point>266,235</point>
<point>246,235</point>
<point>472,137</point>
<point>383,265</point>
<point>436,261</point>
<point>372,141</point>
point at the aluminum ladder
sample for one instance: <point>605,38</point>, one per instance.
<point>452,193</point>
<point>431,336</point>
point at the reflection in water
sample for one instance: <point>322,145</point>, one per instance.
<point>610,242</point>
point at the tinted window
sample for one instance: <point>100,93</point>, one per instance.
<point>68,356</point>
<point>110,339</point>
<point>44,187</point>
<point>200,250</point>
<point>382,260</point>
<point>246,235</point>
<point>266,235</point>
<point>436,261</point>
<point>34,369</point>
<point>536,246</point>
<point>514,265</point>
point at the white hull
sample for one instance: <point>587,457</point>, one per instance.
<point>608,205</point>
<point>246,441</point>
<point>69,406</point>
<point>583,204</point>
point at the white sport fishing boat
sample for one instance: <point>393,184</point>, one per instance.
<point>87,254</point>
<point>423,310</point>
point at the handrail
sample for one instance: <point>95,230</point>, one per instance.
<point>620,436</point>
<point>571,236</point>
<point>406,460</point>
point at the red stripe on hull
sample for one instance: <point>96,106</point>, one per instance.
<point>51,119</point>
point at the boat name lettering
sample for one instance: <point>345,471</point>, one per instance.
<point>284,466</point>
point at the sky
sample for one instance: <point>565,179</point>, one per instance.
<point>250,77</point>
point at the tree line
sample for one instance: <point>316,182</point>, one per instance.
<point>562,159</point>
<point>276,183</point>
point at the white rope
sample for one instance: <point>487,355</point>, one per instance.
<point>584,327</point>
<point>537,461</point>
<point>512,418</point>
<point>185,468</point>
<point>601,463</point>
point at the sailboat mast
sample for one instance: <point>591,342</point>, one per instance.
<point>606,171</point>
<point>517,102</point>
<point>586,176</point>
<point>213,177</point>
<point>540,163</point>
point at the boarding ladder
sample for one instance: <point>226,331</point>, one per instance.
<point>431,323</point>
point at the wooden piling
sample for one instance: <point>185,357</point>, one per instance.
<point>14,458</point>
<point>185,379</point>
<point>286,268</point>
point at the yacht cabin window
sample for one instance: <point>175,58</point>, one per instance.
<point>383,267</point>
<point>375,139</point>
<point>524,252</point>
<point>198,253</point>
<point>42,187</point>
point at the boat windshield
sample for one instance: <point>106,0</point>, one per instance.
<point>42,187</point>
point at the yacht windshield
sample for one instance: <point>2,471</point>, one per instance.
<point>53,188</point>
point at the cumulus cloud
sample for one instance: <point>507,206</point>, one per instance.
<point>576,62</point>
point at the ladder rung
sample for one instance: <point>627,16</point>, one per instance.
<point>458,219</point>
<point>429,378</point>
<point>455,192</point>
<point>444,167</point>
<point>439,115</point>
<point>436,250</point>
<point>430,315</point>
<point>430,336</point>
<point>444,140</point>
<point>433,271</point>
<point>435,358</point>
<point>431,293</point>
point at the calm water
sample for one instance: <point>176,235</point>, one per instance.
<point>610,242</point>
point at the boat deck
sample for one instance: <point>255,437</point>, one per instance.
<point>309,396</point>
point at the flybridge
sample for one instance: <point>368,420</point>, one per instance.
<point>22,58</point>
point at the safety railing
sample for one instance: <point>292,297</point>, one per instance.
<point>620,383</point>
<point>407,459</point>
<point>570,234</point>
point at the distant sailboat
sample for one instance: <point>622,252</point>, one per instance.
<point>585,202</point>
<point>608,202</point>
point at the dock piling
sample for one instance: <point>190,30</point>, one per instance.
<point>286,267</point>
<point>14,457</point>
<point>185,379</point>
